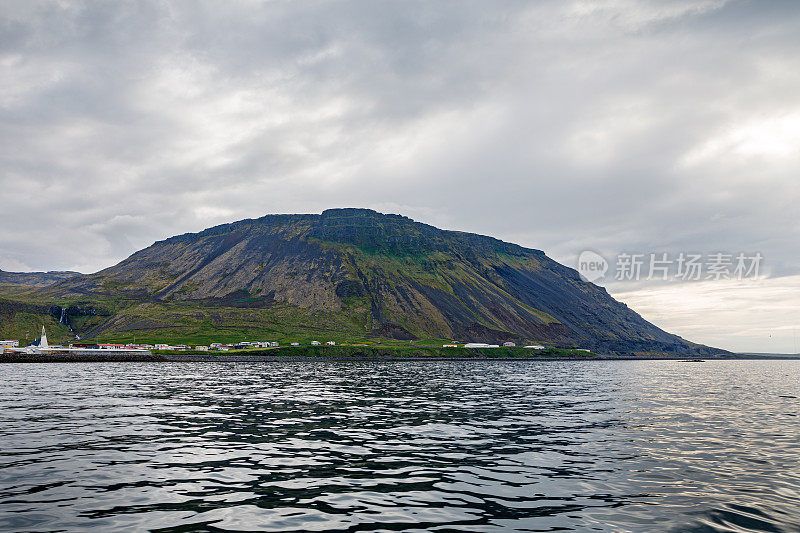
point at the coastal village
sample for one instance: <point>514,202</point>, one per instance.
<point>41,345</point>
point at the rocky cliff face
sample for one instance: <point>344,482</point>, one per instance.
<point>370,274</point>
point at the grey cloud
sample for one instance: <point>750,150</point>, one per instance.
<point>616,126</point>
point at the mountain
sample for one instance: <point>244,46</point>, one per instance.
<point>35,279</point>
<point>349,274</point>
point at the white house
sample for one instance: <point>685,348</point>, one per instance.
<point>315,343</point>
<point>331,343</point>
<point>536,346</point>
<point>509,344</point>
<point>295,344</point>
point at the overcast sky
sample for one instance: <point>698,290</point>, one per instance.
<point>616,126</point>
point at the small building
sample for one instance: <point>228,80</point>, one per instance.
<point>274,344</point>
<point>509,344</point>
<point>295,344</point>
<point>315,343</point>
<point>536,346</point>
<point>331,343</point>
<point>7,348</point>
<point>201,348</point>
<point>449,345</point>
<point>480,345</point>
<point>10,344</point>
<point>223,348</point>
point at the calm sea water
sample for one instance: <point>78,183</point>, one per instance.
<point>439,446</point>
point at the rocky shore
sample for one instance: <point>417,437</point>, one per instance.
<point>81,357</point>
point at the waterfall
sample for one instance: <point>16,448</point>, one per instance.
<point>64,320</point>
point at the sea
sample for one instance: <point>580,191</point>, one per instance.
<point>476,446</point>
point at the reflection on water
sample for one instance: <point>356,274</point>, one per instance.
<point>439,446</point>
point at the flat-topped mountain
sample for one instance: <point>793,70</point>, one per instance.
<point>351,273</point>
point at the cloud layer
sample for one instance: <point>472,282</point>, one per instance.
<point>561,125</point>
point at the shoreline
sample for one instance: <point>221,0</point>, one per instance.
<point>197,358</point>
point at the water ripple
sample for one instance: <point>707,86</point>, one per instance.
<point>440,446</point>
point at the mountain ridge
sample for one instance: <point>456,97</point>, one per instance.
<point>35,279</point>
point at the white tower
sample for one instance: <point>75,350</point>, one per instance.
<point>43,341</point>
